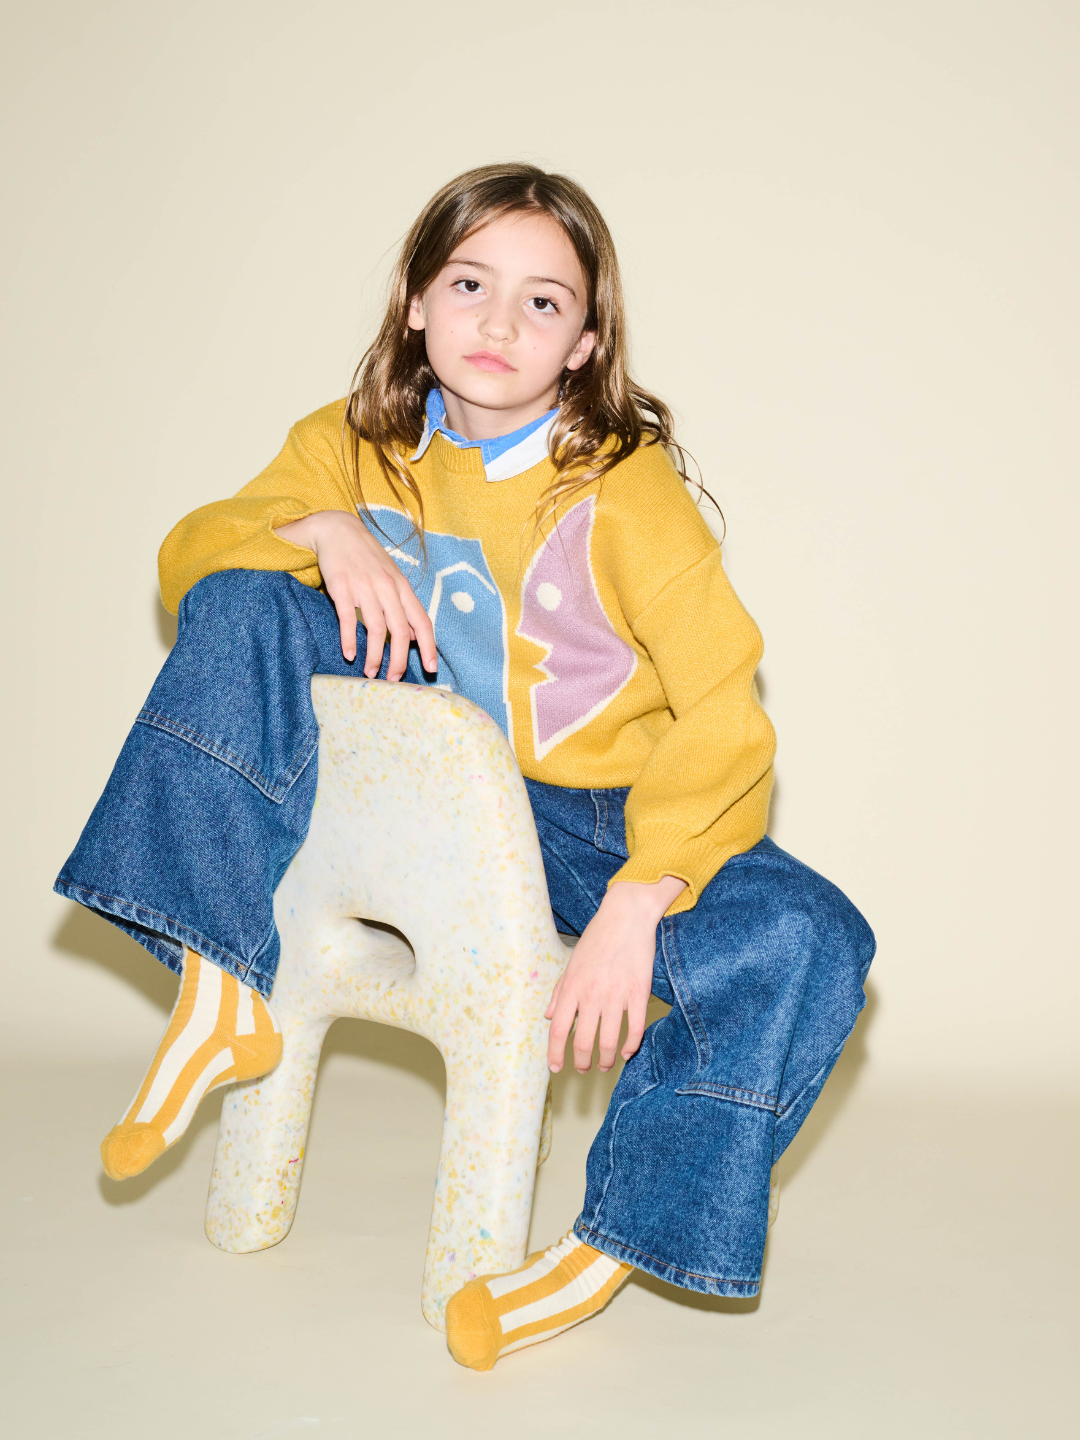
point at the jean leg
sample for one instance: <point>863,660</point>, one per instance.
<point>766,973</point>
<point>212,793</point>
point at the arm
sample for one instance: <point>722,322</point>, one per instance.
<point>702,794</point>
<point>300,516</point>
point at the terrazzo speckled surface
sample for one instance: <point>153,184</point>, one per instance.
<point>422,822</point>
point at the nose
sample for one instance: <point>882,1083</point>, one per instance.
<point>498,321</point>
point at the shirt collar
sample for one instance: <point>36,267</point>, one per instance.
<point>504,456</point>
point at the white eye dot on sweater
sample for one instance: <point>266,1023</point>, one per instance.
<point>463,600</point>
<point>550,596</point>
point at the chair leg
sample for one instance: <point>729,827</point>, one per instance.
<point>484,1189</point>
<point>260,1151</point>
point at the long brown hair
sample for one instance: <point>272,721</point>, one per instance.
<point>603,415</point>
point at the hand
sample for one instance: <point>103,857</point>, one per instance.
<point>359,575</point>
<point>610,972</point>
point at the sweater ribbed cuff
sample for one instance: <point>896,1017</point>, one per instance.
<point>667,850</point>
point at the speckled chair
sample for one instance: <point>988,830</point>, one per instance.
<point>422,822</point>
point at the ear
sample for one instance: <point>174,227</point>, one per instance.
<point>417,320</point>
<point>582,350</point>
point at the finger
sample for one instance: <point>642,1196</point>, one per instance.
<point>554,999</point>
<point>422,630</point>
<point>561,1022</point>
<point>610,1025</point>
<point>584,1035</point>
<point>375,626</point>
<point>635,1024</point>
<point>346,613</point>
<point>400,633</point>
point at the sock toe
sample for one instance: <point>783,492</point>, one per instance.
<point>470,1331</point>
<point>128,1149</point>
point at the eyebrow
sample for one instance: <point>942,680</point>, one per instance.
<point>530,279</point>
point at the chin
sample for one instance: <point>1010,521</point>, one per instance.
<point>480,387</point>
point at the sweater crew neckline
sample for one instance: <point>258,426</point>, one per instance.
<point>502,456</point>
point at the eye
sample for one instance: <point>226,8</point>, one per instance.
<point>471,285</point>
<point>544,305</point>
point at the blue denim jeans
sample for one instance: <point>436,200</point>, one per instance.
<point>211,797</point>
<point>764,977</point>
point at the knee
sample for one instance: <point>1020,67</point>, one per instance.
<point>843,936</point>
<point>805,913</point>
<point>237,594</point>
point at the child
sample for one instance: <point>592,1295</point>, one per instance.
<point>494,434</point>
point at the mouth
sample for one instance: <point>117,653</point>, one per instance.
<point>489,360</point>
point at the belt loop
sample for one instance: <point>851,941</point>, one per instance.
<point>600,805</point>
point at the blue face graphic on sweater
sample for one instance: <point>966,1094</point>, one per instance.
<point>461,598</point>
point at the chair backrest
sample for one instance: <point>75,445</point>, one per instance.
<point>422,822</point>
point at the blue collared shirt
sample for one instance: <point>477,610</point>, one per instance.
<point>506,455</point>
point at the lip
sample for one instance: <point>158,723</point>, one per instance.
<point>491,361</point>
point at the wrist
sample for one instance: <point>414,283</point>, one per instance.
<point>311,529</point>
<point>649,901</point>
<point>298,532</point>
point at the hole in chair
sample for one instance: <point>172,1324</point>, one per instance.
<point>395,948</point>
<point>383,952</point>
<point>389,930</point>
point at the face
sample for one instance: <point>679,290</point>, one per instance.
<point>503,319</point>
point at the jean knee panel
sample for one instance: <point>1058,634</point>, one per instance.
<point>767,971</point>
<point>237,684</point>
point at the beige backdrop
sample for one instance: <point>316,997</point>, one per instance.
<point>849,236</point>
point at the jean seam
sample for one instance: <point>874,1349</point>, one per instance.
<point>263,945</point>
<point>682,991</point>
<point>274,792</point>
<point>614,1128</point>
<point>562,860</point>
<point>731,1093</point>
<point>695,1274</point>
<point>158,915</point>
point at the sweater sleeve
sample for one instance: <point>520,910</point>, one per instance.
<point>703,793</point>
<point>238,534</point>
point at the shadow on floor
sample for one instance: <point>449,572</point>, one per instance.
<point>834,1097</point>
<point>691,1300</point>
<point>128,1192</point>
<point>83,936</point>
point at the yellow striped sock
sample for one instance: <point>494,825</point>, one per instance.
<point>220,1031</point>
<point>554,1289</point>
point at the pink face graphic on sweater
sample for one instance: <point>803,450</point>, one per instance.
<point>587,664</point>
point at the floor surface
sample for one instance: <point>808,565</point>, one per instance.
<point>920,1280</point>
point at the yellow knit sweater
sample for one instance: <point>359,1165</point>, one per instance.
<point>611,649</point>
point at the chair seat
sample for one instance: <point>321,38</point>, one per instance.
<point>421,822</point>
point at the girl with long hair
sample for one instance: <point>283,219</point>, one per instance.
<point>493,427</point>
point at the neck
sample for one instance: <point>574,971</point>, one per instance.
<point>479,422</point>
